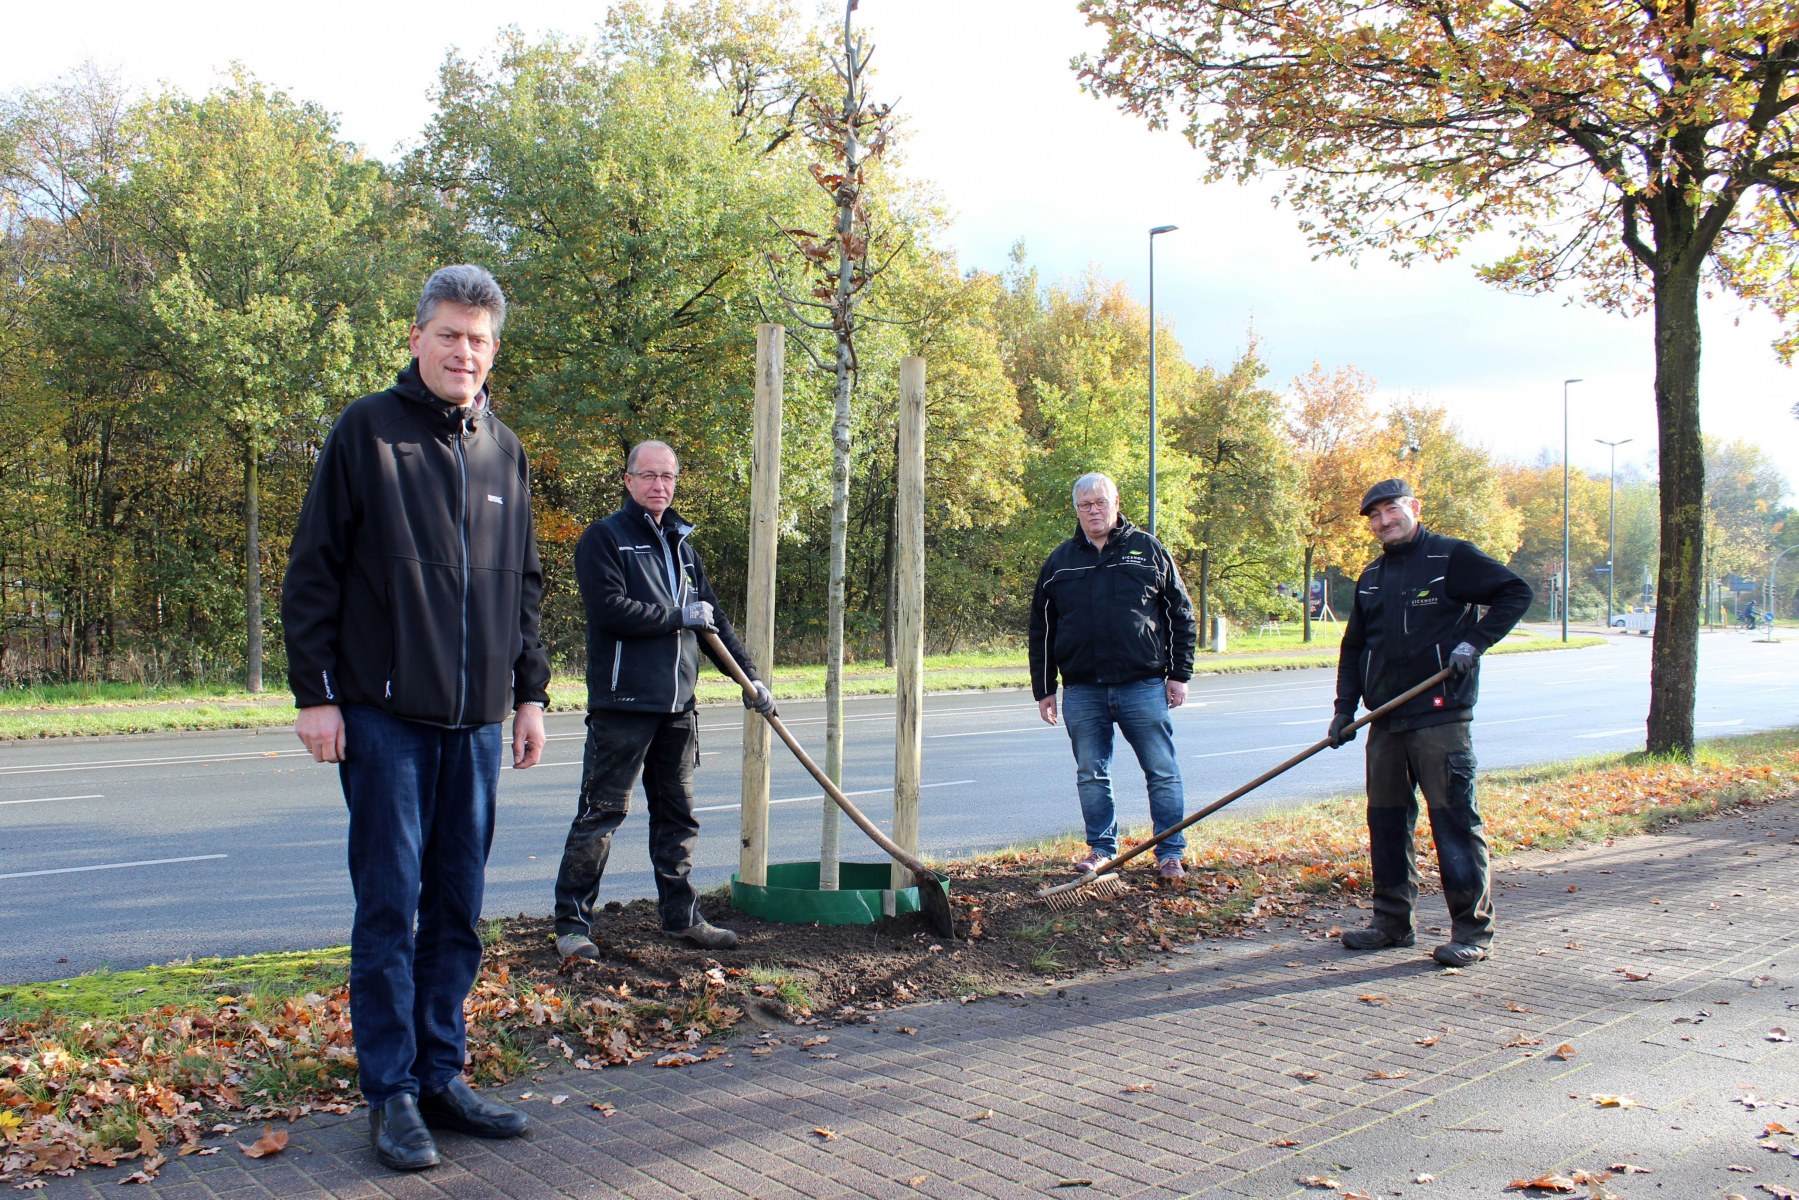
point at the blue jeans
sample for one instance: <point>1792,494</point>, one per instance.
<point>421,821</point>
<point>1140,710</point>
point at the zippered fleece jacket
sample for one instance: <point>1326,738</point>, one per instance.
<point>1413,606</point>
<point>635,577</point>
<point>1108,616</point>
<point>413,584</point>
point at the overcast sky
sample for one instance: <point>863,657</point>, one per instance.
<point>998,125</point>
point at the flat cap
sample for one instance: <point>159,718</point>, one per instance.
<point>1386,489</point>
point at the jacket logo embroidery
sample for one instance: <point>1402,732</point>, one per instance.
<point>493,499</point>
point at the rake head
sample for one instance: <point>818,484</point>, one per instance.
<point>1078,891</point>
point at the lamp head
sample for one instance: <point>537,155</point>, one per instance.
<point>1163,229</point>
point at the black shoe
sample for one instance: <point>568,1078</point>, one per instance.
<point>1373,939</point>
<point>707,936</point>
<point>458,1108</point>
<point>401,1139</point>
<point>1458,954</point>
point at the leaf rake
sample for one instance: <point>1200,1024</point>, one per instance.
<point>1104,880</point>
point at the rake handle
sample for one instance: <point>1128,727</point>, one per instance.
<point>1119,860</point>
<point>887,844</point>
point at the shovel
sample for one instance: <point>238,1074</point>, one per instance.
<point>1103,881</point>
<point>933,900</point>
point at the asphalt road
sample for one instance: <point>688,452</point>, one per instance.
<point>126,851</point>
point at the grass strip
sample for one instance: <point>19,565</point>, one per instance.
<point>943,673</point>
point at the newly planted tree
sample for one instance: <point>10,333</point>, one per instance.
<point>1638,153</point>
<point>851,136</point>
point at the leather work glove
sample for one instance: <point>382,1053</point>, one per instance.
<point>760,699</point>
<point>1341,734</point>
<point>698,615</point>
<point>1461,660</point>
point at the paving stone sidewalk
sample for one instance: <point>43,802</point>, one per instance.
<point>1232,1071</point>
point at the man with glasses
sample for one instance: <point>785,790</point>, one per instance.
<point>1112,618</point>
<point>647,597</point>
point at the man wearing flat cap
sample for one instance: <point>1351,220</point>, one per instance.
<point>1417,611</point>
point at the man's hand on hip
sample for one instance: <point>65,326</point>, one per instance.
<point>527,736</point>
<point>1462,659</point>
<point>320,729</point>
<point>1177,693</point>
<point>1047,707</point>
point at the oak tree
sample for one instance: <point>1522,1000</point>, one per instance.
<point>1639,152</point>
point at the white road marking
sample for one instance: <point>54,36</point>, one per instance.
<point>1718,724</point>
<point>111,764</point>
<point>1256,750</point>
<point>148,862</point>
<point>1611,732</point>
<point>821,795</point>
<point>989,732</point>
<point>48,799</point>
<point>1516,720</point>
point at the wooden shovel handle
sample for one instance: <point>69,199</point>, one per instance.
<point>887,844</point>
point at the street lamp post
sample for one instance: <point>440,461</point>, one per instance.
<point>1611,530</point>
<point>1773,610</point>
<point>1152,371</point>
<point>1565,572</point>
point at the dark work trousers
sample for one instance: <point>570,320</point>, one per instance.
<point>664,748</point>
<point>421,804</point>
<point>1440,761</point>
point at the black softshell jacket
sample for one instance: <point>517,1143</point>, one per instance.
<point>635,576</point>
<point>1413,606</point>
<point>1116,615</point>
<point>413,584</point>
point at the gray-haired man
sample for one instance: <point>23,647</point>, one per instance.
<point>411,608</point>
<point>1112,618</point>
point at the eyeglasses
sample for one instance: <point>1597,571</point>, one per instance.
<point>1093,505</point>
<point>661,477</point>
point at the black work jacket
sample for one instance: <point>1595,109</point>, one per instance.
<point>1413,606</point>
<point>413,584</point>
<point>635,576</point>
<point>1116,615</point>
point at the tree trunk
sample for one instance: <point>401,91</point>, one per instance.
<point>1205,586</point>
<point>252,572</point>
<point>1305,596</point>
<point>840,524</point>
<point>1674,665</point>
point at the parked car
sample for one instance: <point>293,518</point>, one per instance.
<point>1634,622</point>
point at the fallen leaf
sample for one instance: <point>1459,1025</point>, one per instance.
<point>1774,1127</point>
<point>1388,1074</point>
<point>1285,1142</point>
<point>1428,1040</point>
<point>826,1132</point>
<point>1521,1040</point>
<point>824,1056</point>
<point>917,1180</point>
<point>1614,1101</point>
<point>272,1141</point>
<point>1629,1169</point>
<point>558,1099</point>
<point>1427,1178</point>
<point>1139,1087</point>
<point>1514,1006</point>
<point>1778,1191</point>
<point>1563,1052</point>
<point>1296,964</point>
<point>1544,1183</point>
<point>1317,1181</point>
<point>1575,946</point>
<point>603,1108</point>
<point>762,1051</point>
<point>1740,1170</point>
<point>1573,888</point>
<point>1351,1194</point>
<point>1074,1183</point>
<point>32,1185</point>
<point>1335,931</point>
<point>1777,1034</point>
<point>820,1040</point>
<point>1305,1075</point>
<point>1633,976</point>
<point>679,1058</point>
<point>1374,1000</point>
<point>986,1114</point>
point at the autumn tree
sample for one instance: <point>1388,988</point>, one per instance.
<point>1639,153</point>
<point>1454,479</point>
<point>1341,451</point>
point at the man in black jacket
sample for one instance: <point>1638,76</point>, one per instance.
<point>411,608</point>
<point>1416,612</point>
<point>1111,616</point>
<point>647,597</point>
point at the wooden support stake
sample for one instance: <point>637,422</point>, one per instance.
<point>758,628</point>
<point>908,624</point>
